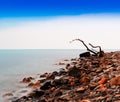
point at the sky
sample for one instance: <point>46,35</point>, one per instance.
<point>51,24</point>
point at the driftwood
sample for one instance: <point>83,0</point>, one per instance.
<point>96,53</point>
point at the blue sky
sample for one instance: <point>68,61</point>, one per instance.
<point>41,8</point>
<point>51,24</point>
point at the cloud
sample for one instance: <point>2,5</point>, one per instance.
<point>57,32</point>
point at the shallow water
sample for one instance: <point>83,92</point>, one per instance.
<point>16,64</point>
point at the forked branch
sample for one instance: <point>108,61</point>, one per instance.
<point>85,46</point>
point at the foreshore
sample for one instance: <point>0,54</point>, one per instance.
<point>84,79</point>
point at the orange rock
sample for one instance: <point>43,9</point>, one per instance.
<point>35,85</point>
<point>31,84</point>
<point>27,80</point>
<point>115,81</point>
<point>84,80</point>
<point>102,87</point>
<point>84,101</point>
<point>103,80</point>
<point>80,89</point>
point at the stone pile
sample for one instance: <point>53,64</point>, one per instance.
<point>86,79</point>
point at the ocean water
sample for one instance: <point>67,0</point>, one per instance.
<point>17,64</point>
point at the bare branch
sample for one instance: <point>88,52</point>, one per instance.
<point>96,47</point>
<point>85,45</point>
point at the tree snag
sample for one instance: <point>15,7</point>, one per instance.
<point>96,53</point>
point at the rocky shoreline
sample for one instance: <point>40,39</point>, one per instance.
<point>84,79</point>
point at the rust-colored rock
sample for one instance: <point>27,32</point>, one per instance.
<point>103,80</point>
<point>115,81</point>
<point>35,85</point>
<point>102,87</point>
<point>50,76</point>
<point>85,80</point>
<point>80,89</point>
<point>27,80</point>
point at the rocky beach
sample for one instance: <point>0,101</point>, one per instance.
<point>84,79</point>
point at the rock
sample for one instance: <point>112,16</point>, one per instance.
<point>50,76</point>
<point>43,75</point>
<point>73,59</point>
<point>99,70</point>
<point>67,66</point>
<point>55,73</point>
<point>115,81</point>
<point>61,81</point>
<point>74,71</point>
<point>58,93</point>
<point>95,63</point>
<point>27,80</point>
<point>66,60</point>
<point>92,85</point>
<point>103,80</point>
<point>73,63</point>
<point>46,85</point>
<point>102,87</point>
<point>42,80</point>
<point>80,90</point>
<point>36,85</point>
<point>62,72</point>
<point>36,94</point>
<point>61,63</point>
<point>85,80</point>
<point>84,101</point>
<point>85,54</point>
<point>8,95</point>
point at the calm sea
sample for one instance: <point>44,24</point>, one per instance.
<point>17,64</point>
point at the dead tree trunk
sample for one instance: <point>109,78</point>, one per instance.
<point>100,53</point>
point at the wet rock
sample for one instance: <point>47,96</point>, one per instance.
<point>36,94</point>
<point>74,71</point>
<point>61,63</point>
<point>7,95</point>
<point>46,85</point>
<point>73,59</point>
<point>36,85</point>
<point>67,66</point>
<point>43,75</point>
<point>62,72</point>
<point>42,80</point>
<point>73,63</point>
<point>85,54</point>
<point>50,76</point>
<point>27,80</point>
<point>55,73</point>
<point>66,60</point>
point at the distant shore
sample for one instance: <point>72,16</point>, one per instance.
<point>85,79</point>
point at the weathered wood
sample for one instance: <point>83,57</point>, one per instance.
<point>96,53</point>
